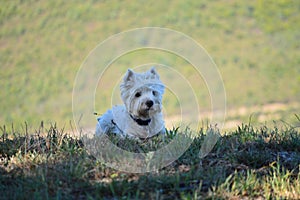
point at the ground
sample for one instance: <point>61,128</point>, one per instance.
<point>245,163</point>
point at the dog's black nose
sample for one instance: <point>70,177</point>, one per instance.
<point>149,103</point>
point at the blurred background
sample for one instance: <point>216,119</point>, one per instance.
<point>255,45</point>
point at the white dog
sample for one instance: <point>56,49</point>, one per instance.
<point>141,115</point>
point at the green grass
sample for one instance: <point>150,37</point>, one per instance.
<point>42,45</point>
<point>245,163</point>
<point>254,44</point>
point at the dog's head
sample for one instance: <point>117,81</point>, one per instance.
<point>142,93</point>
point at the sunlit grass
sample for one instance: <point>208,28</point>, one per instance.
<point>42,47</point>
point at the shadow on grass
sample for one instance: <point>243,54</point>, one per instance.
<point>248,162</point>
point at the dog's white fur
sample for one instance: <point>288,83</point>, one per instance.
<point>141,115</point>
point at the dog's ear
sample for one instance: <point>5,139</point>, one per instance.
<point>153,73</point>
<point>129,76</point>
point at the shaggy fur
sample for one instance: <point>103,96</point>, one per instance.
<point>141,115</point>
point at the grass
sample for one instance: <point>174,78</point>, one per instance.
<point>254,44</point>
<point>245,163</point>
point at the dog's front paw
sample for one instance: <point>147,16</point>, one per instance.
<point>98,131</point>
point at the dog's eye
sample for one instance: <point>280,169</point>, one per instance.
<point>138,94</point>
<point>154,93</point>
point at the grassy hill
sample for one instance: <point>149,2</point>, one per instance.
<point>43,43</point>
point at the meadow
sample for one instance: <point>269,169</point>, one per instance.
<point>43,44</point>
<point>254,46</point>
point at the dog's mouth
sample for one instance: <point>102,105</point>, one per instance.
<point>145,113</point>
<point>148,111</point>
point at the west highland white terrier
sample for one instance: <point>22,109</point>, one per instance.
<point>141,115</point>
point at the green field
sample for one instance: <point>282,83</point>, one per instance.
<point>43,43</point>
<point>255,45</point>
